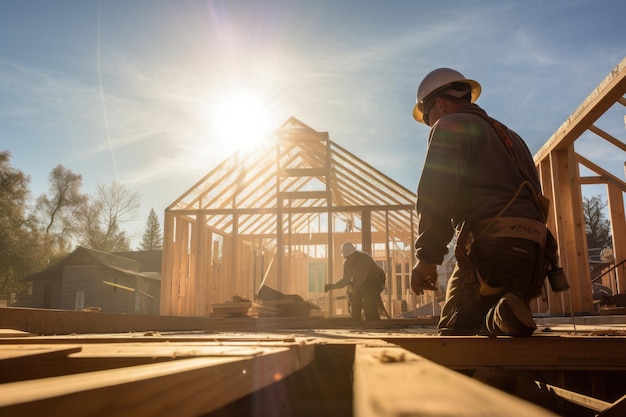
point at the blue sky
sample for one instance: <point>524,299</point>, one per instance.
<point>130,90</point>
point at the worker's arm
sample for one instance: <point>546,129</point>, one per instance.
<point>339,284</point>
<point>345,280</point>
<point>424,277</point>
<point>440,189</point>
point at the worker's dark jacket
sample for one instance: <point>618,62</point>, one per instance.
<point>360,268</point>
<point>468,175</point>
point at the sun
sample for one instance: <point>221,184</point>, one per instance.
<point>240,119</point>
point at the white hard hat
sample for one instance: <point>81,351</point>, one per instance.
<point>440,80</point>
<point>348,249</point>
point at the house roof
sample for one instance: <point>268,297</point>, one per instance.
<point>148,260</point>
<point>121,262</point>
<point>303,174</point>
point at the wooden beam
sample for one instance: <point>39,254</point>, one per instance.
<point>62,322</point>
<point>595,180</point>
<point>302,209</point>
<point>303,195</point>
<point>576,398</point>
<point>571,233</point>
<point>618,232</point>
<point>610,90</point>
<point>390,381</point>
<point>537,352</point>
<point>186,387</point>
<point>303,172</point>
<point>606,175</point>
<point>608,137</point>
<point>167,267</point>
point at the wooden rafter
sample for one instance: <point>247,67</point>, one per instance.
<point>240,183</point>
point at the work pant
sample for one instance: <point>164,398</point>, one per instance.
<point>503,262</point>
<point>366,300</point>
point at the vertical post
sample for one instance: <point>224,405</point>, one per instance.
<point>391,278</point>
<point>202,305</point>
<point>618,232</point>
<point>573,245</point>
<point>366,231</point>
<point>167,264</point>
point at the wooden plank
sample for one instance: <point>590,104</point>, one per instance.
<point>610,90</point>
<point>573,246</point>
<point>544,170</point>
<point>608,137</point>
<point>391,381</point>
<point>618,233</point>
<point>186,387</point>
<point>9,354</point>
<point>60,322</point>
<point>576,398</point>
<point>222,338</point>
<point>303,195</point>
<point>303,172</point>
<point>604,174</point>
<point>169,350</point>
<point>42,321</point>
<point>167,264</point>
<point>537,352</point>
<point>14,333</point>
<point>302,209</point>
<point>56,356</point>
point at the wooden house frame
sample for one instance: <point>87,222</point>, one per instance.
<point>221,237</point>
<point>301,197</point>
<point>559,167</point>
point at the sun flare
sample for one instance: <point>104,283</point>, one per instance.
<point>240,119</point>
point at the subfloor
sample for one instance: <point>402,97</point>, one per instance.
<point>57,363</point>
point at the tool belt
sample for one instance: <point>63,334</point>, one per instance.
<point>501,227</point>
<point>516,227</point>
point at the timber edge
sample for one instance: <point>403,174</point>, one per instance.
<point>59,322</point>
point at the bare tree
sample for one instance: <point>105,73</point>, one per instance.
<point>101,221</point>
<point>597,227</point>
<point>58,209</point>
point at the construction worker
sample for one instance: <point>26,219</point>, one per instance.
<point>478,178</point>
<point>365,280</point>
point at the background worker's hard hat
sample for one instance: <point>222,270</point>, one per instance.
<point>348,249</point>
<point>438,80</point>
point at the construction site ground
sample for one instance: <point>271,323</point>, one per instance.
<point>80,363</point>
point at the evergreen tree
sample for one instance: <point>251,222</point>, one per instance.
<point>152,238</point>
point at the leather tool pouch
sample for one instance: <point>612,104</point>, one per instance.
<point>467,271</point>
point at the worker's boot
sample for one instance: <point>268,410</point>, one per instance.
<point>510,317</point>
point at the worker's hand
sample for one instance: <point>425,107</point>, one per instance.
<point>424,277</point>
<point>328,287</point>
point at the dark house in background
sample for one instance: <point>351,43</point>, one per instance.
<point>119,282</point>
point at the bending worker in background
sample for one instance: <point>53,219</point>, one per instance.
<point>480,179</point>
<point>366,280</point>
